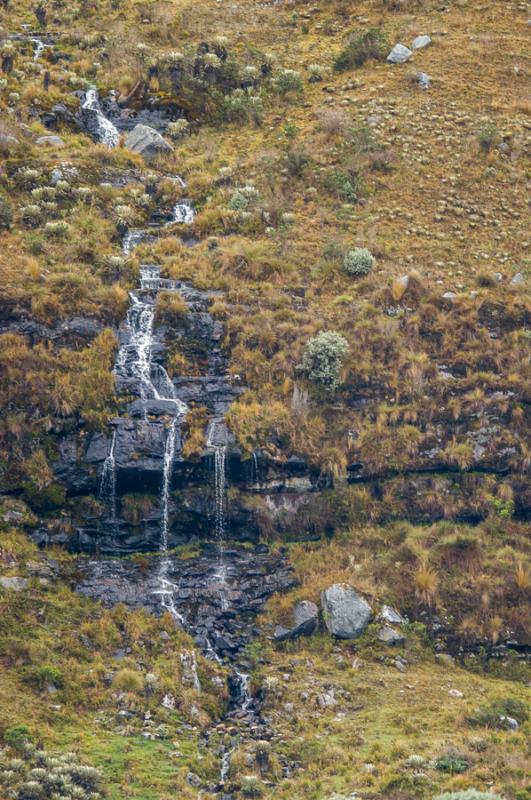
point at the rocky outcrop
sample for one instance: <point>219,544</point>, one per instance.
<point>218,611</point>
<point>346,614</point>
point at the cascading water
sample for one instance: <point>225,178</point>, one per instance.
<point>101,127</point>
<point>39,46</point>
<point>108,481</point>
<point>183,213</point>
<point>219,451</point>
<point>132,239</point>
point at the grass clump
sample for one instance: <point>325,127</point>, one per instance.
<point>499,713</point>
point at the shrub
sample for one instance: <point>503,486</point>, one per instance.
<point>495,714</point>
<point>6,213</point>
<point>44,676</point>
<point>59,229</point>
<point>178,129</point>
<point>360,48</point>
<point>323,359</point>
<point>453,762</point>
<point>17,737</point>
<point>487,137</point>
<point>359,261</point>
<point>288,81</point>
<point>346,184</point>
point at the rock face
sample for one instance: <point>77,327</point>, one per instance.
<point>399,54</point>
<point>346,614</point>
<point>147,141</point>
<point>217,612</point>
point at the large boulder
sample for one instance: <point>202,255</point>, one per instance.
<point>346,614</point>
<point>399,54</point>
<point>147,141</point>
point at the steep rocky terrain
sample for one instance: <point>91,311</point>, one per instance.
<point>264,390</point>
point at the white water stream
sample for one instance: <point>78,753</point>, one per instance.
<point>105,132</point>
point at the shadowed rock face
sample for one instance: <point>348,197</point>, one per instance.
<point>219,613</point>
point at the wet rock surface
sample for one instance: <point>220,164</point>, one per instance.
<point>217,611</point>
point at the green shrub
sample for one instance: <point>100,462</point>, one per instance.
<point>323,359</point>
<point>345,183</point>
<point>495,714</point>
<point>17,737</point>
<point>453,762</point>
<point>288,81</point>
<point>44,676</point>
<point>359,261</point>
<point>6,213</point>
<point>488,137</point>
<point>360,48</point>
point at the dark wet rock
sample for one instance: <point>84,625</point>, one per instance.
<point>219,612</point>
<point>346,614</point>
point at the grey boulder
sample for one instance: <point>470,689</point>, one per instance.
<point>306,618</point>
<point>147,142</point>
<point>391,616</point>
<point>50,141</point>
<point>399,54</point>
<point>420,42</point>
<point>423,80</point>
<point>346,613</point>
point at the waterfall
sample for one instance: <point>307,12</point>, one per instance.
<point>39,48</point>
<point>183,213</point>
<point>132,239</point>
<point>101,127</point>
<point>244,697</point>
<point>220,494</point>
<point>108,481</point>
<point>189,665</point>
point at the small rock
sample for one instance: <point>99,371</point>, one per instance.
<point>449,296</point>
<point>455,693</point>
<point>50,141</point>
<point>390,635</point>
<point>517,279</point>
<point>15,584</point>
<point>508,722</point>
<point>421,41</point>
<point>399,54</point>
<point>391,615</point>
<point>193,779</point>
<point>423,80</point>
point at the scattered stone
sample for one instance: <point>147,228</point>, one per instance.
<point>390,635</point>
<point>399,54</point>
<point>306,617</point>
<point>517,279</point>
<point>391,615</point>
<point>193,779</point>
<point>14,584</point>
<point>400,664</point>
<point>147,142</point>
<point>421,41</point>
<point>509,722</point>
<point>423,80</point>
<point>346,613</point>
<point>449,296</point>
<point>50,141</point>
<point>455,693</point>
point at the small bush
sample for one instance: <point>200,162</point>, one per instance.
<point>360,48</point>
<point>6,213</point>
<point>488,137</point>
<point>453,762</point>
<point>44,676</point>
<point>288,81</point>
<point>323,359</point>
<point>359,261</point>
<point>495,714</point>
<point>17,737</point>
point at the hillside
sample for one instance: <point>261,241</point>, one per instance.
<point>264,391</point>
